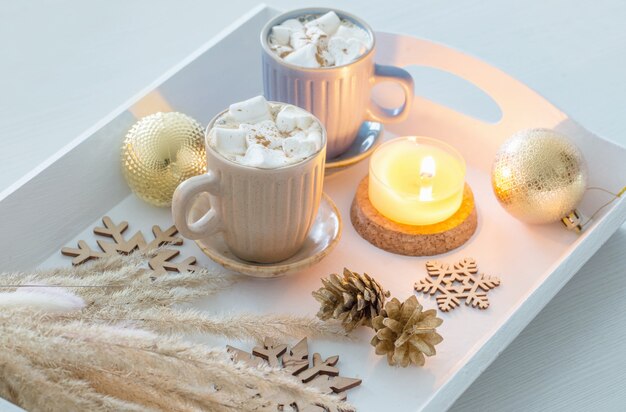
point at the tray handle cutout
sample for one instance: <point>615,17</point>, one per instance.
<point>511,96</point>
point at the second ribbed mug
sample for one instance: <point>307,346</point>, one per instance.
<point>339,96</point>
<point>264,214</point>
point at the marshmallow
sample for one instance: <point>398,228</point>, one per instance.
<point>298,39</point>
<point>230,141</point>
<point>293,24</point>
<point>264,158</point>
<point>304,57</point>
<point>275,159</point>
<point>286,119</point>
<point>291,117</point>
<point>304,120</point>
<point>253,156</point>
<point>353,32</point>
<point>303,144</point>
<point>314,126</point>
<point>282,51</point>
<point>264,133</point>
<point>327,58</point>
<point>300,134</point>
<point>291,146</point>
<point>329,23</point>
<point>315,137</point>
<point>317,143</point>
<point>344,51</point>
<point>251,111</point>
<point>317,35</point>
<point>299,148</point>
<point>281,35</point>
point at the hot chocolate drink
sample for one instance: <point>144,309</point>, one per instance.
<point>264,181</point>
<point>266,135</point>
<point>319,41</point>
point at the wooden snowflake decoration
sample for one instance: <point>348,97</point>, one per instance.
<point>161,263</point>
<point>456,282</point>
<point>321,374</point>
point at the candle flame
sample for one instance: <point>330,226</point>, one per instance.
<point>427,172</point>
<point>427,168</point>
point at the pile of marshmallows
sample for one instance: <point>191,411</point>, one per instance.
<point>323,42</point>
<point>255,133</point>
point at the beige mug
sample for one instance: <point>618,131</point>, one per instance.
<point>264,214</point>
<point>339,96</point>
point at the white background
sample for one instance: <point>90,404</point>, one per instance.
<point>64,64</point>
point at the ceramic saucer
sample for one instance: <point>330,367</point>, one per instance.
<point>323,237</point>
<point>369,136</point>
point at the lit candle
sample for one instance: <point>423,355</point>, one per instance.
<point>416,180</point>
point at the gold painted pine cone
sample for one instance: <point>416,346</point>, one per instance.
<point>354,299</point>
<point>405,333</point>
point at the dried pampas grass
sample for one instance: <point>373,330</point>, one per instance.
<point>45,299</point>
<point>120,289</point>
<point>106,337</point>
<point>128,366</point>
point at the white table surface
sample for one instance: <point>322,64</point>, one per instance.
<point>64,64</point>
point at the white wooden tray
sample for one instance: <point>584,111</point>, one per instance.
<point>61,200</point>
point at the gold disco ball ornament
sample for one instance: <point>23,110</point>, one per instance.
<point>539,176</point>
<point>159,152</point>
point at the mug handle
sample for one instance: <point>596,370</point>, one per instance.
<point>391,73</point>
<point>182,201</point>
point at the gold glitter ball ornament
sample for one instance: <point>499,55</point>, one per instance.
<point>159,152</point>
<point>539,176</point>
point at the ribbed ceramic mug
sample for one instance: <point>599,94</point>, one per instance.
<point>340,95</point>
<point>264,214</point>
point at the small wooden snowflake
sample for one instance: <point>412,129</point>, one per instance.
<point>456,282</point>
<point>321,374</point>
<point>161,263</point>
